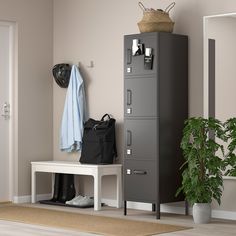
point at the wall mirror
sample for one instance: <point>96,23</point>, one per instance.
<point>219,43</point>
<point>220,66</point>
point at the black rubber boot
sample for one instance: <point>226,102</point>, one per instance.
<point>67,190</point>
<point>57,185</point>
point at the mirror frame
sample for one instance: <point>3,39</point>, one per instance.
<point>205,61</point>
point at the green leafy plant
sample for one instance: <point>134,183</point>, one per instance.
<point>230,157</point>
<point>202,175</point>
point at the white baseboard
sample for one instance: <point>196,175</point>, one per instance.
<point>170,208</point>
<point>109,202</point>
<point>27,198</point>
<point>175,208</point>
<point>227,215</point>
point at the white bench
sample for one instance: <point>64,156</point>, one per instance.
<point>97,171</point>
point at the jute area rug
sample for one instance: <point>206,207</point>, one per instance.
<point>82,222</point>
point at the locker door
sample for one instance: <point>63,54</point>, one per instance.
<point>140,181</point>
<point>141,97</point>
<point>134,65</point>
<point>141,141</point>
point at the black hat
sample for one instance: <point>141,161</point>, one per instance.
<point>61,74</point>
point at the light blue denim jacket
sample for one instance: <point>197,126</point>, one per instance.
<point>74,114</point>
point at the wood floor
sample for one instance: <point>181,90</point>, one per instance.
<point>215,228</point>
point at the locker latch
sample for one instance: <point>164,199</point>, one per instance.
<point>129,70</point>
<point>129,111</point>
<point>128,152</point>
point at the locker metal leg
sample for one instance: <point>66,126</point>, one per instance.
<point>125,208</point>
<point>153,207</point>
<point>158,215</point>
<point>186,208</point>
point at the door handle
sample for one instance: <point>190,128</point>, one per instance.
<point>129,97</point>
<point>129,56</point>
<point>6,111</point>
<point>6,116</point>
<point>139,172</point>
<point>129,138</point>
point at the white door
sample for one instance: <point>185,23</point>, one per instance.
<point>4,112</point>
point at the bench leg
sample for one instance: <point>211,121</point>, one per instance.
<point>33,186</point>
<point>97,191</point>
<point>119,189</point>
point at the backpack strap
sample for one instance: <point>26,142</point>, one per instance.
<point>105,116</point>
<point>114,147</point>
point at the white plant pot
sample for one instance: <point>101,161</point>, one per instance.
<point>201,213</point>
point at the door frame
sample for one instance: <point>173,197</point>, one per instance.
<point>206,62</point>
<point>13,101</point>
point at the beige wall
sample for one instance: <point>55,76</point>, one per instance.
<point>35,25</point>
<point>93,30</point>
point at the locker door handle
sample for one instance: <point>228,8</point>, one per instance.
<point>129,138</point>
<point>129,97</point>
<point>139,172</point>
<point>129,56</point>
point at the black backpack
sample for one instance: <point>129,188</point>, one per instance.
<point>99,141</point>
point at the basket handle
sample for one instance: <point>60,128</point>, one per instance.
<point>169,7</point>
<point>142,6</point>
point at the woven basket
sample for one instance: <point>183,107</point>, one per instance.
<point>156,20</point>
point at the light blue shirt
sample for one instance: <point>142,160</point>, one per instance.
<point>74,114</point>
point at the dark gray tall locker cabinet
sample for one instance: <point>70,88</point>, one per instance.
<point>155,107</point>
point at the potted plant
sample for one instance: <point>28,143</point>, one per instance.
<point>202,175</point>
<point>230,157</point>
